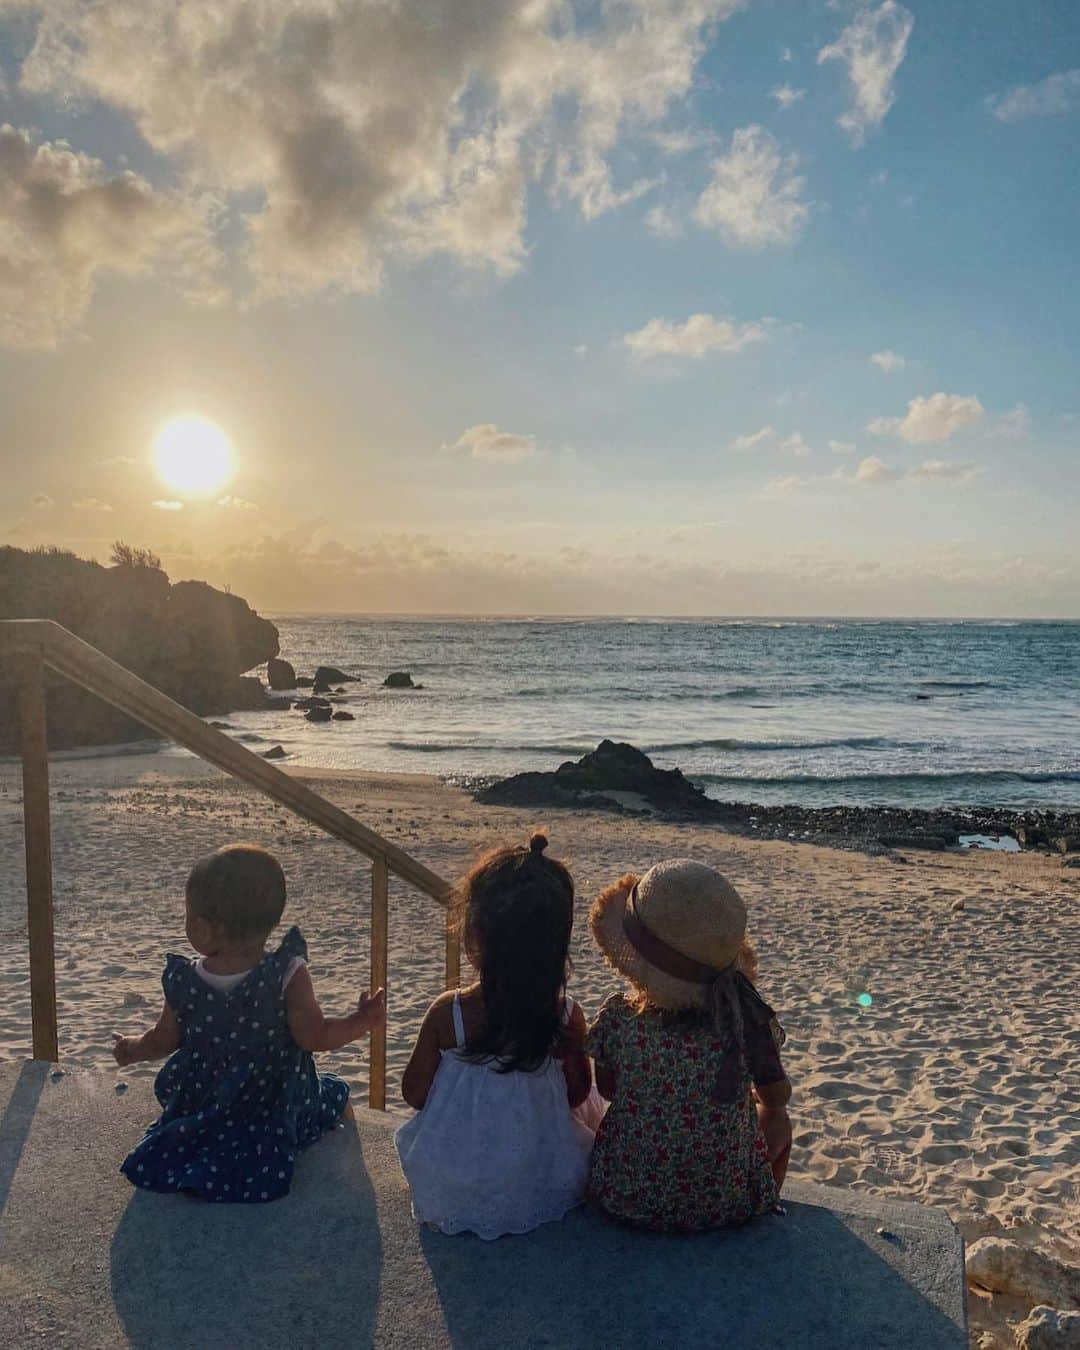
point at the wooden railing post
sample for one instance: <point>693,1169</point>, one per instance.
<point>380,897</point>
<point>39,898</point>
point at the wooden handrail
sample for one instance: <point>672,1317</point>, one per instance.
<point>39,643</point>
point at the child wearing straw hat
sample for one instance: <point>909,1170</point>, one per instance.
<point>682,1056</point>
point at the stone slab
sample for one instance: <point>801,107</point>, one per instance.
<point>86,1261</point>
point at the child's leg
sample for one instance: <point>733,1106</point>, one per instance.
<point>779,1166</point>
<point>348,1113</point>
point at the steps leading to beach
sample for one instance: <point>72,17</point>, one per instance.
<point>86,1261</point>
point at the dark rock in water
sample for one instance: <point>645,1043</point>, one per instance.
<point>340,689</point>
<point>610,768</point>
<point>924,698</point>
<point>342,716</point>
<point>305,704</point>
<point>187,639</point>
<point>318,714</point>
<point>303,682</point>
<point>222,726</point>
<point>320,686</point>
<point>331,675</point>
<point>400,679</point>
<point>280,674</point>
<point>275,752</point>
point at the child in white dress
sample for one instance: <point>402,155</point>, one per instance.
<point>499,1068</point>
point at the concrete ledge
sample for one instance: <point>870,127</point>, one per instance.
<point>86,1261</point>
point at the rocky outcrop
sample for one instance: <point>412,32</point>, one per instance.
<point>400,679</point>
<point>1007,1267</point>
<point>343,716</point>
<point>1048,1329</point>
<point>318,714</point>
<point>280,674</point>
<point>331,675</point>
<point>611,777</point>
<point>187,639</point>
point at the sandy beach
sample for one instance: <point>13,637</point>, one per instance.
<point>958,1086</point>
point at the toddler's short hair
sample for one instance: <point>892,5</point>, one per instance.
<point>241,887</point>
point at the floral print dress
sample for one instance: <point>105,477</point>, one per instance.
<point>240,1098</point>
<point>679,1149</point>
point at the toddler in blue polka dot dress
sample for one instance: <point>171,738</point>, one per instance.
<point>240,1093</point>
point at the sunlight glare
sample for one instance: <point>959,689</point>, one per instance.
<point>193,455</point>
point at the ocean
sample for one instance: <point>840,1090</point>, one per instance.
<point>814,712</point>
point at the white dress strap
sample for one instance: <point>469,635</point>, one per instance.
<point>568,1009</point>
<point>459,1025</point>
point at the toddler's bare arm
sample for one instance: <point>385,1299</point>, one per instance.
<point>161,1040</point>
<point>310,1027</point>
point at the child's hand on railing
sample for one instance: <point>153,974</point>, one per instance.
<point>371,1010</point>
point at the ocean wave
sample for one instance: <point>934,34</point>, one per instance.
<point>731,743</point>
<point>955,684</point>
<point>915,779</point>
<point>445,747</point>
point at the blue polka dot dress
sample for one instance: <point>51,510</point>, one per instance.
<point>240,1098</point>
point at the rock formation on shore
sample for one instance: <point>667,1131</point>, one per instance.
<point>187,639</point>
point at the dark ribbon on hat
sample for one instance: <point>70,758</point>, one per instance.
<point>658,953</point>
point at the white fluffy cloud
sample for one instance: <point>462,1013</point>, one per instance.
<point>888,361</point>
<point>786,97</point>
<point>751,440</point>
<point>842,447</point>
<point>346,130</point>
<point>874,472</point>
<point>794,444</point>
<point>930,419</point>
<point>64,222</point>
<point>699,335</point>
<point>755,196</point>
<point>486,441</point>
<point>872,46</point>
<point>1055,95</point>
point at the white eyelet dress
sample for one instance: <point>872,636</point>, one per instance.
<point>493,1153</point>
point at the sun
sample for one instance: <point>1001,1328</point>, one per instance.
<point>193,456</point>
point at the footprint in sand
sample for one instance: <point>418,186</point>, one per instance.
<point>943,1153</point>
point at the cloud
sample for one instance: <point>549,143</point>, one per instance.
<point>65,222</point>
<point>164,505</point>
<point>486,441</point>
<point>784,486</point>
<point>663,221</point>
<point>1053,96</point>
<point>91,504</point>
<point>794,444</point>
<point>754,198</point>
<point>751,440</point>
<point>41,501</point>
<point>872,47</point>
<point>930,419</point>
<point>936,470</point>
<point>341,133</point>
<point>874,470</point>
<point>786,97</point>
<point>842,447</point>
<point>699,335</point>
<point>1012,425</point>
<point>888,361</point>
<point>236,504</point>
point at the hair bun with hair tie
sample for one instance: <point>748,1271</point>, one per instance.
<point>537,843</point>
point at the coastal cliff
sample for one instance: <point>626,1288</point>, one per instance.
<point>186,638</point>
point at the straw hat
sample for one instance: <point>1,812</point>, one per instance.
<point>673,932</point>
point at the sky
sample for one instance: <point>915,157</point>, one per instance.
<point>545,306</point>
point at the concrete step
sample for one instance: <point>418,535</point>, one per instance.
<point>86,1261</point>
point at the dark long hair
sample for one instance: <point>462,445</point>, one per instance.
<point>517,910</point>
